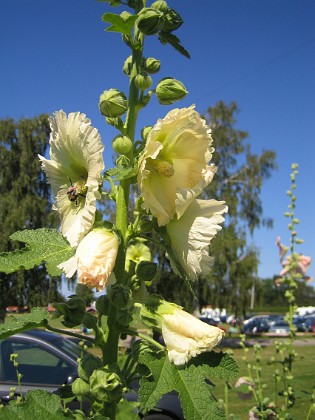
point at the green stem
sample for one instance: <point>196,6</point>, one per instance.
<point>70,333</point>
<point>147,338</point>
<point>226,398</point>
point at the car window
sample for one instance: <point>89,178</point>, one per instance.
<point>37,364</point>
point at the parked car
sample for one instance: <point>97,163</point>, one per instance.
<point>47,361</point>
<point>310,323</point>
<point>256,326</point>
<point>280,327</point>
<point>210,321</point>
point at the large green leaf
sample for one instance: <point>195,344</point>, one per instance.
<point>190,382</point>
<point>38,404</point>
<point>37,318</point>
<point>42,245</point>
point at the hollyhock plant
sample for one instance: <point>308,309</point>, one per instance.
<point>173,168</point>
<point>94,259</point>
<point>192,233</point>
<point>74,169</point>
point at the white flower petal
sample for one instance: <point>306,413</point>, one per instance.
<point>173,168</point>
<point>186,336</point>
<point>76,153</point>
<point>192,233</point>
<point>94,259</point>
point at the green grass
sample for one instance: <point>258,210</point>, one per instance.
<point>303,382</point>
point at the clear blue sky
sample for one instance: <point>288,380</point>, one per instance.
<point>260,53</point>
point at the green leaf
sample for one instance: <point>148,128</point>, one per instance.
<point>173,40</point>
<point>127,410</point>
<point>190,382</point>
<point>122,23</point>
<point>42,245</point>
<point>38,404</point>
<point>120,172</point>
<point>37,318</point>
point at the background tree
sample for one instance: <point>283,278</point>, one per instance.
<point>25,203</point>
<point>238,181</point>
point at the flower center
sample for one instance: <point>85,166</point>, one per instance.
<point>162,167</point>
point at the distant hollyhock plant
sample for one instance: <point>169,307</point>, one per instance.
<point>192,233</point>
<point>301,263</point>
<point>74,169</point>
<point>185,336</point>
<point>94,259</point>
<point>173,168</point>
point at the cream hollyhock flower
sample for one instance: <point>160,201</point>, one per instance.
<point>94,259</point>
<point>185,336</point>
<point>192,233</point>
<point>173,168</point>
<point>74,169</point>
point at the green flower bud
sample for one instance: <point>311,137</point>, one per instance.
<point>170,90</point>
<point>145,131</point>
<point>127,65</point>
<point>105,386</point>
<point>172,21</point>
<point>87,365</point>
<point>119,295</point>
<point>146,270</point>
<point>143,81</point>
<point>122,145</point>
<point>73,311</point>
<point>80,387</point>
<point>160,5</point>
<point>152,65</point>
<point>124,318</point>
<point>150,21</point>
<point>102,305</point>
<point>112,103</point>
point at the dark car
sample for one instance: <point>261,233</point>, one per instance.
<point>47,361</point>
<point>256,326</point>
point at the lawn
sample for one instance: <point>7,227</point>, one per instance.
<point>303,382</point>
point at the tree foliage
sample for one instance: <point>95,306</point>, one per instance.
<point>238,181</point>
<point>25,204</point>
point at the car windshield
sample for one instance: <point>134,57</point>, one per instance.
<point>69,347</point>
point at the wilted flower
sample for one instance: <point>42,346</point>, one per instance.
<point>173,167</point>
<point>184,335</point>
<point>94,259</point>
<point>191,235</point>
<point>76,153</point>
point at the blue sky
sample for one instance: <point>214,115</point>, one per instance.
<point>56,55</point>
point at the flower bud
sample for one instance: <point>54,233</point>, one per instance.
<point>122,145</point>
<point>152,65</point>
<point>127,65</point>
<point>112,103</point>
<point>119,295</point>
<point>146,270</point>
<point>143,81</point>
<point>172,21</point>
<point>102,305</point>
<point>105,386</point>
<point>87,365</point>
<point>170,90</point>
<point>150,21</point>
<point>145,131</point>
<point>124,318</point>
<point>160,5</point>
<point>80,387</point>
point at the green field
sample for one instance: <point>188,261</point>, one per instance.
<point>303,382</point>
